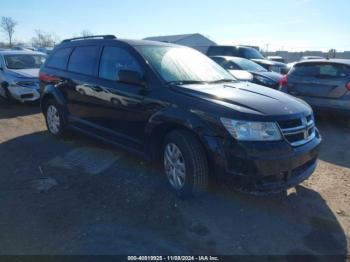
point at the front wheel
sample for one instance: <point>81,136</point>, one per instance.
<point>185,163</point>
<point>54,119</point>
<point>7,93</point>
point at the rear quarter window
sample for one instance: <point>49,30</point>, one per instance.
<point>83,60</point>
<point>322,70</point>
<point>59,58</point>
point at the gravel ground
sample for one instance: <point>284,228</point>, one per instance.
<point>75,195</point>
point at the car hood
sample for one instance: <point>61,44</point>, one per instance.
<point>268,62</point>
<point>242,75</point>
<point>24,73</point>
<point>270,75</point>
<point>249,98</point>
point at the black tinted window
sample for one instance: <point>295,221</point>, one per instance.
<point>222,51</point>
<point>59,59</point>
<point>321,70</point>
<point>83,60</point>
<point>114,59</point>
<point>251,53</point>
<point>231,65</point>
<point>218,60</point>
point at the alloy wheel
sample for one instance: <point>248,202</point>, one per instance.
<point>53,119</point>
<point>174,165</point>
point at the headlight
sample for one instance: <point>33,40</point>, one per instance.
<point>264,80</point>
<point>252,131</point>
<point>28,84</point>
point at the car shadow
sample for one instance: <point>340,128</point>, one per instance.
<point>336,140</point>
<point>12,108</point>
<point>127,208</point>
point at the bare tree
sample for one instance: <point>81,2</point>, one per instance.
<point>44,39</point>
<point>8,25</point>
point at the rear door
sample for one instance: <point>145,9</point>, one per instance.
<point>319,80</point>
<point>82,67</point>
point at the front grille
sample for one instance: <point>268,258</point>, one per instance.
<point>298,131</point>
<point>27,96</point>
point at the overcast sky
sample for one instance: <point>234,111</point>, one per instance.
<point>276,24</point>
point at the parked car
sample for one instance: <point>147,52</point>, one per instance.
<point>276,58</point>
<point>303,58</point>
<point>19,74</point>
<point>324,84</point>
<point>23,48</point>
<point>248,53</point>
<point>310,57</point>
<point>45,50</point>
<point>182,109</point>
<point>246,70</point>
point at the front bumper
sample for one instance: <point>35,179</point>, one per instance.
<point>24,94</point>
<point>265,166</point>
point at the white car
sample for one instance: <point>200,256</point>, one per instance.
<point>19,74</point>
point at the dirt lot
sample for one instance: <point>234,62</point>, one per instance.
<point>79,196</point>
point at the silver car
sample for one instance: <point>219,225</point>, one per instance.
<point>19,74</point>
<point>324,84</point>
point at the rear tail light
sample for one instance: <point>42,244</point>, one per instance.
<point>283,81</point>
<point>348,86</point>
<point>47,78</point>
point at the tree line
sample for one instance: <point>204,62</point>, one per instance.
<point>40,38</point>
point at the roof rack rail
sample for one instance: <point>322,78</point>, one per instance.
<point>90,37</point>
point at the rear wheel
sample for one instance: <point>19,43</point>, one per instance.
<point>54,119</point>
<point>185,163</point>
<point>7,93</point>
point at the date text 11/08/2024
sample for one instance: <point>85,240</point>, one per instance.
<point>173,258</point>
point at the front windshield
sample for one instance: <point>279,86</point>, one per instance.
<point>24,61</point>
<point>251,53</point>
<point>182,64</point>
<point>248,65</point>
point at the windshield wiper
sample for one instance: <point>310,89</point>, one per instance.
<point>193,82</point>
<point>186,82</point>
<point>224,80</point>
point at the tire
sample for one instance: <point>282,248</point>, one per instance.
<point>187,173</point>
<point>7,93</point>
<point>54,119</point>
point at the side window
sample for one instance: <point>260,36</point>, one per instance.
<point>218,60</point>
<point>59,59</point>
<point>231,65</point>
<point>114,59</point>
<point>83,60</point>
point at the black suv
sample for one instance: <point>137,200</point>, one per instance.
<point>174,104</point>
<point>248,53</point>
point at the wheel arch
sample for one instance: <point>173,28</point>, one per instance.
<point>51,92</point>
<point>164,122</point>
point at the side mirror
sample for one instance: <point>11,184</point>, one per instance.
<point>130,77</point>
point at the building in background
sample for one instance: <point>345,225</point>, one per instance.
<point>196,41</point>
